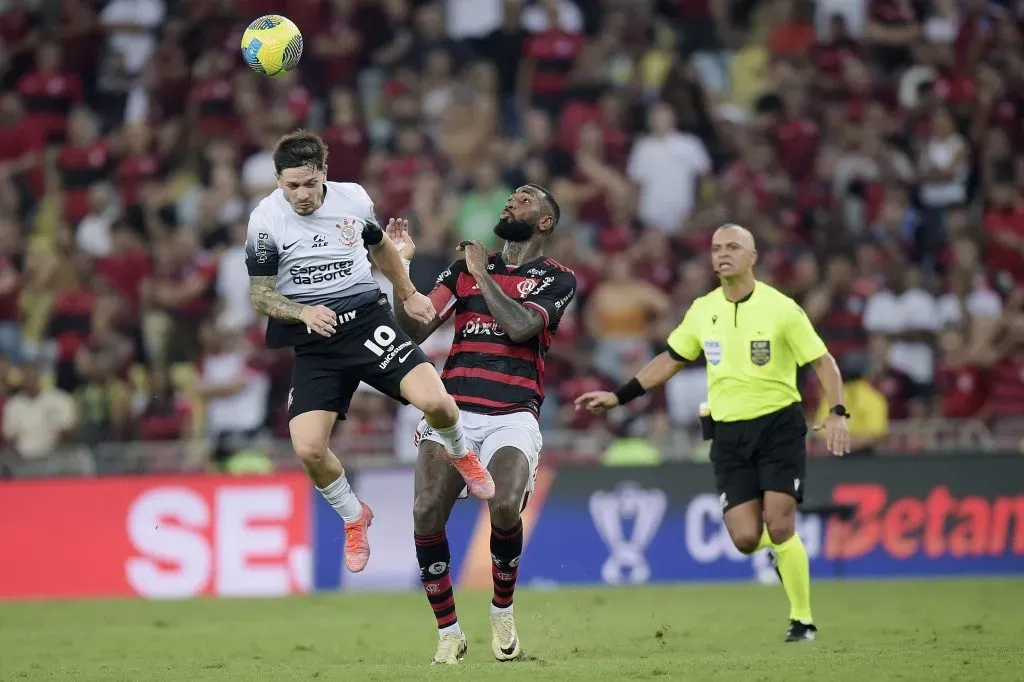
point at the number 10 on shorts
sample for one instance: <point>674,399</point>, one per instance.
<point>383,336</point>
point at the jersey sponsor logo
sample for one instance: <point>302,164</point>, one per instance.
<point>562,301</point>
<point>476,326</point>
<point>349,233</point>
<point>319,241</point>
<point>444,275</point>
<point>315,274</point>
<point>535,272</point>
<point>760,352</point>
<point>627,507</point>
<point>262,250</point>
<point>713,351</point>
<point>543,285</point>
<point>382,345</point>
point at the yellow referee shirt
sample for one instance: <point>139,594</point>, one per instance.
<point>753,348</point>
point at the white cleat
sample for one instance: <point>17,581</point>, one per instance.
<point>451,649</point>
<point>504,638</point>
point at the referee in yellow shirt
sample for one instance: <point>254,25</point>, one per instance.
<point>754,338</point>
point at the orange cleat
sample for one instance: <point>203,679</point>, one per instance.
<point>477,477</point>
<point>357,544</point>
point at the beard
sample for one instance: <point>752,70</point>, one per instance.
<point>514,230</point>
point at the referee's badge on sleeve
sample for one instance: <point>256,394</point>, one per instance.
<point>760,352</point>
<point>713,351</point>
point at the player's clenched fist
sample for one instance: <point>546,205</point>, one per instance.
<point>319,319</point>
<point>597,402</point>
<point>420,308</point>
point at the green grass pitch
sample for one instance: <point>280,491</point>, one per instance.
<point>870,631</point>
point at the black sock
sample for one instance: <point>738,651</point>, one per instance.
<point>434,557</point>
<point>506,548</point>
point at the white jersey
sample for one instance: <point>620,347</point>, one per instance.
<point>319,259</point>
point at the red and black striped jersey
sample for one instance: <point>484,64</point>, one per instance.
<point>486,372</point>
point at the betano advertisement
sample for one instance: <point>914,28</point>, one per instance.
<point>175,537</point>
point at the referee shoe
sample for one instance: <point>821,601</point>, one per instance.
<point>801,632</point>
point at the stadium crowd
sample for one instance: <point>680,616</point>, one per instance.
<point>872,147</point>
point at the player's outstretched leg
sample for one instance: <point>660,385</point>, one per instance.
<point>511,471</point>
<point>437,489</point>
<point>423,389</point>
<point>310,432</point>
<point>792,563</point>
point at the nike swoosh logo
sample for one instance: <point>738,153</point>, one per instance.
<point>402,358</point>
<point>285,248</point>
<point>509,651</point>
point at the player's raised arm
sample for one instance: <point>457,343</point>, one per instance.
<point>386,257</point>
<point>398,232</point>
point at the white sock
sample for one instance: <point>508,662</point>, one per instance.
<point>454,627</point>
<point>495,610</point>
<point>454,439</point>
<point>339,494</point>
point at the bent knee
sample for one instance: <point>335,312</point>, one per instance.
<point>505,510</point>
<point>310,450</point>
<point>746,540</point>
<point>439,406</point>
<point>427,514</point>
<point>780,527</point>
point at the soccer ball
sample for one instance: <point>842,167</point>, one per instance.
<point>272,45</point>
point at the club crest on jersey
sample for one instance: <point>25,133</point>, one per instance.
<point>526,286</point>
<point>760,352</point>
<point>349,233</point>
<point>713,351</point>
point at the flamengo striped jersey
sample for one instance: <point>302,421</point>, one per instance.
<point>486,372</point>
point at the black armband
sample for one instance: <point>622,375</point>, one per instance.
<point>630,391</point>
<point>372,234</point>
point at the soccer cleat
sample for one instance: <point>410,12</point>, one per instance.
<point>357,544</point>
<point>451,648</point>
<point>474,473</point>
<point>504,638</point>
<point>801,632</point>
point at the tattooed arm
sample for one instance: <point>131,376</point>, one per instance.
<point>519,322</point>
<point>267,301</point>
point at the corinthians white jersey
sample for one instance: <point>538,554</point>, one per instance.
<point>319,259</point>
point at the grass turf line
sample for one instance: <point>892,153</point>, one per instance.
<point>900,630</point>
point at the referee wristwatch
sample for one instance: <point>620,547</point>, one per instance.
<point>840,411</point>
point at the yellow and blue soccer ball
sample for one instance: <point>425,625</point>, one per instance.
<point>272,45</point>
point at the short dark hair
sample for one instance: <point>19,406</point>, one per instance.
<point>549,199</point>
<point>300,148</point>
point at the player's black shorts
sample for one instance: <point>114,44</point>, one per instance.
<point>767,453</point>
<point>368,346</point>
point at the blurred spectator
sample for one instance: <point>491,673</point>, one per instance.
<point>479,207</point>
<point>618,314</point>
<point>131,29</point>
<point>907,316</point>
<point>38,420</point>
<point>234,393</point>
<point>667,166</point>
<point>163,413</point>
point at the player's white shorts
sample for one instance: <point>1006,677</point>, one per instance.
<point>487,433</point>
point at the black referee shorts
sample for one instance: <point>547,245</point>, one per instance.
<point>368,346</point>
<point>767,453</point>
